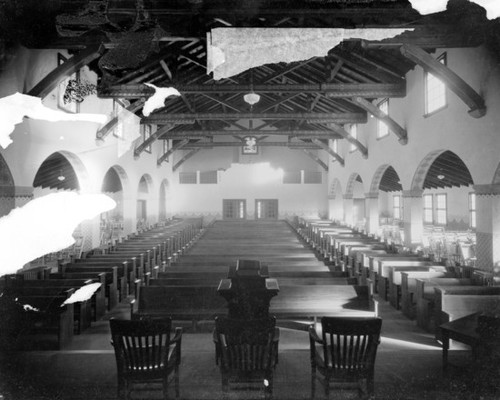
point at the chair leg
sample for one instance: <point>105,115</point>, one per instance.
<point>313,382</point>
<point>176,377</point>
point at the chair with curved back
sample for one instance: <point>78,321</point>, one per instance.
<point>344,352</point>
<point>146,352</point>
<point>246,351</point>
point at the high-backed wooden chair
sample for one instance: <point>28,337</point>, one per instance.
<point>344,352</point>
<point>146,353</point>
<point>246,351</point>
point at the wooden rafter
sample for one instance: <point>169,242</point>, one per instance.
<point>286,70</point>
<point>290,145</point>
<point>185,158</point>
<point>393,126</point>
<point>461,88</point>
<point>346,135</point>
<point>174,148</point>
<point>58,74</point>
<point>329,150</point>
<point>316,159</point>
<point>110,125</point>
<point>280,132</point>
<point>161,118</point>
<point>150,140</point>
<point>332,90</point>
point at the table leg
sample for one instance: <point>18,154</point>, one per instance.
<point>446,345</point>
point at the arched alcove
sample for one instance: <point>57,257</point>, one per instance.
<point>112,222</point>
<point>7,188</point>
<point>143,193</point>
<point>335,201</point>
<point>164,199</point>
<point>62,170</point>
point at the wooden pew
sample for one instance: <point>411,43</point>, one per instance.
<point>390,277</point>
<point>409,287</point>
<point>183,303</point>
<point>38,321</point>
<point>363,264</point>
<point>458,301</point>
<point>374,267</point>
<point>314,301</point>
<point>424,298</point>
<point>110,276</point>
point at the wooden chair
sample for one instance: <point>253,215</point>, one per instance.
<point>146,353</point>
<point>345,352</point>
<point>246,351</point>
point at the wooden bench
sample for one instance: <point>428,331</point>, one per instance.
<point>183,303</point>
<point>110,277</point>
<point>390,277</point>
<point>375,268</point>
<point>309,302</point>
<point>424,298</point>
<point>409,288</point>
<point>37,321</point>
<point>454,302</point>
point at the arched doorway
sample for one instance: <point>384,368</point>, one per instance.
<point>354,202</point>
<point>385,205</point>
<point>143,211</point>
<point>112,222</point>
<point>7,189</point>
<point>164,211</point>
<point>447,207</point>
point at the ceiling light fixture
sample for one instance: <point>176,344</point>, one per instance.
<point>61,177</point>
<point>251,98</point>
<point>440,177</point>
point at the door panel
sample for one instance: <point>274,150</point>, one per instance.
<point>234,209</point>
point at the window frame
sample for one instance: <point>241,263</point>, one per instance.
<point>439,210</point>
<point>431,209</point>
<point>398,207</point>
<point>442,58</point>
<point>472,210</point>
<point>381,125</point>
<point>353,128</point>
<point>146,133</point>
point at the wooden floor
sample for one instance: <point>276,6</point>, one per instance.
<point>408,362</point>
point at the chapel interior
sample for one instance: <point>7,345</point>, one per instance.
<point>297,198</point>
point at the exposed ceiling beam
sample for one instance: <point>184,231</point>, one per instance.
<point>329,150</point>
<point>393,126</point>
<point>152,138</point>
<point>316,159</point>
<point>209,145</point>
<point>333,90</point>
<point>185,158</point>
<point>303,133</point>
<point>162,118</point>
<point>174,148</point>
<point>110,125</point>
<point>69,67</point>
<point>346,135</point>
<point>456,84</point>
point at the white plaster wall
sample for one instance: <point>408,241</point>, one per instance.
<point>244,181</point>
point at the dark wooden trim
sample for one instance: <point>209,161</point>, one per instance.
<point>335,90</point>
<point>316,159</point>
<point>110,125</point>
<point>58,74</point>
<point>456,84</point>
<point>393,126</point>
<point>150,140</point>
<point>185,158</point>
<point>329,150</point>
<point>178,146</point>
<point>346,135</point>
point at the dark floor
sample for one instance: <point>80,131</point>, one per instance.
<point>408,367</point>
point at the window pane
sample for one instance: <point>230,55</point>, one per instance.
<point>473,219</point>
<point>354,134</point>
<point>382,129</point>
<point>441,200</point>
<point>472,201</point>
<point>428,216</point>
<point>441,217</point>
<point>435,91</point>
<point>428,201</point>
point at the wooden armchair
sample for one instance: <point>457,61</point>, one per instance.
<point>146,353</point>
<point>345,352</point>
<point>246,351</point>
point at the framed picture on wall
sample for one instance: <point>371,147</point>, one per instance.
<point>250,145</point>
<point>62,102</point>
